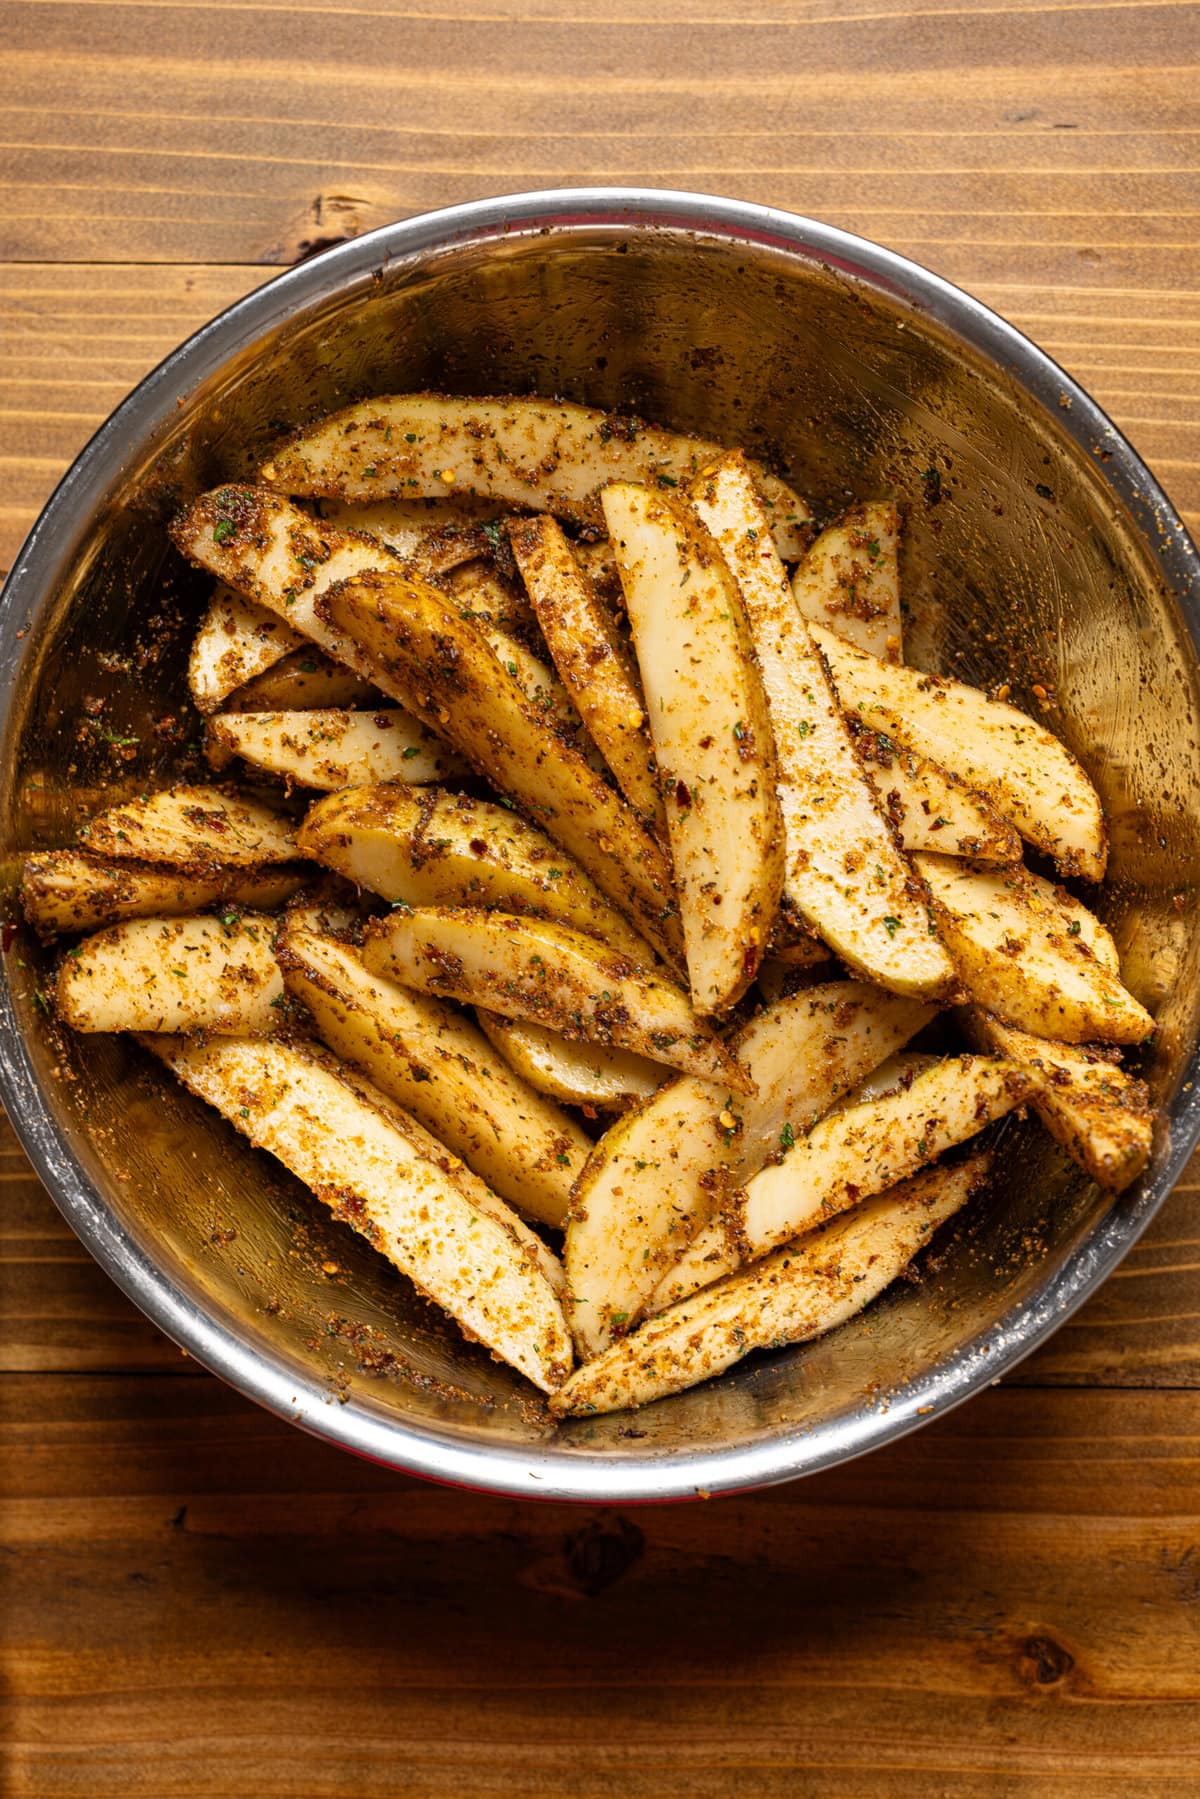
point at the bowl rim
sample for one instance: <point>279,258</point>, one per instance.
<point>552,1469</point>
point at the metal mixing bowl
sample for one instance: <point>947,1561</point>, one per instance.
<point>1038,549</point>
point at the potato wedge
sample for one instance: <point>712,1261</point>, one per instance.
<point>591,1075</point>
<point>849,580</point>
<point>197,828</point>
<point>174,974</point>
<point>436,1064</point>
<point>331,750</point>
<point>431,848</point>
<point>594,663</point>
<point>1018,767</point>
<point>237,640</point>
<point>435,535</point>
<point>1032,954</point>
<point>1101,1115</point>
<point>385,1177</point>
<point>711,736</point>
<point>656,1176</point>
<point>306,680</point>
<point>539,455</point>
<point>551,975</point>
<point>451,679</point>
<point>927,806</point>
<point>66,890</point>
<point>843,871</point>
<point>800,1292</point>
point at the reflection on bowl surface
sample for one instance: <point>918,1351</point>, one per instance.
<point>1037,550</point>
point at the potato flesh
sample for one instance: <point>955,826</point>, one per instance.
<point>843,872</point>
<point>197,828</point>
<point>438,535</point>
<point>550,975</point>
<point>591,658</point>
<point>656,1176</point>
<point>928,807</point>
<point>1018,767</point>
<point>451,679</point>
<point>849,580</point>
<point>537,455</point>
<point>579,1074</point>
<point>174,974</point>
<point>794,1295</point>
<point>66,890</point>
<point>1032,954</point>
<point>446,849</point>
<point>237,640</point>
<point>330,749</point>
<point>435,1063</point>
<point>305,680</point>
<point>1100,1115</point>
<point>711,735</point>
<point>384,1176</point>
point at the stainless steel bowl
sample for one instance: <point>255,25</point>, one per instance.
<point>1038,549</point>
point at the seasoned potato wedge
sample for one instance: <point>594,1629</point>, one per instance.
<point>174,974</point>
<point>711,736</point>
<point>796,1294</point>
<point>385,1177</point>
<point>928,807</point>
<point>550,975</point>
<point>843,872</point>
<point>431,848</point>
<point>305,681</point>
<point>1016,765</point>
<point>450,677</point>
<point>66,890</point>
<point>331,750</point>
<point>595,666</point>
<point>657,1174</point>
<point>197,828</point>
<point>849,580</point>
<point>436,1064</point>
<point>435,535</point>
<point>591,1075</point>
<point>1101,1115</point>
<point>540,455</point>
<point>1032,954</point>
<point>237,640</point>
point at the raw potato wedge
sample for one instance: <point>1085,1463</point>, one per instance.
<point>197,828</point>
<point>174,974</point>
<point>711,736</point>
<point>449,676</point>
<point>850,580</point>
<point>588,652</point>
<point>237,640</point>
<point>537,455</point>
<point>928,807</point>
<point>1032,954</point>
<point>658,1174</point>
<point>304,681</point>
<point>445,849</point>
<point>383,1175</point>
<point>1022,771</point>
<point>1101,1115</point>
<point>331,750</point>
<point>441,1069</point>
<point>435,535</point>
<point>800,1292</point>
<point>843,872</point>
<point>66,890</point>
<point>528,968</point>
<point>580,1074</point>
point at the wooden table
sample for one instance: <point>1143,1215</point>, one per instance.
<point>196,1599</point>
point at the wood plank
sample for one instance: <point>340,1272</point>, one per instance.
<point>202,1602</point>
<point>74,339</point>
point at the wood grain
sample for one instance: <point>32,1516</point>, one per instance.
<point>204,1602</point>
